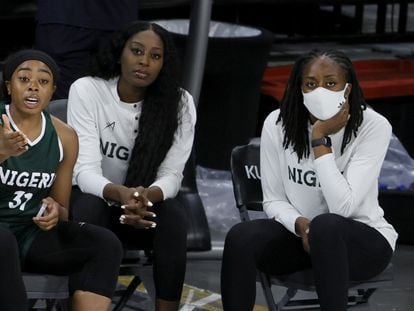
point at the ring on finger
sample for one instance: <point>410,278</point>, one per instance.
<point>136,194</point>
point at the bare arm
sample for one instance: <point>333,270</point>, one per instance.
<point>62,186</point>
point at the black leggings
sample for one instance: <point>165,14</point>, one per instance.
<point>12,290</point>
<point>342,250</point>
<point>89,254</point>
<point>168,241</point>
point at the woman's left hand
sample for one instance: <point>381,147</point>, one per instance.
<point>50,217</point>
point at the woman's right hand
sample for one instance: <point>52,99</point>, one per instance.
<point>305,242</point>
<point>12,143</point>
<point>302,229</point>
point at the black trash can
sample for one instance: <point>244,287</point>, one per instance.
<point>227,112</point>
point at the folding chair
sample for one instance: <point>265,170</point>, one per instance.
<point>46,291</point>
<point>135,263</point>
<point>138,263</point>
<point>58,108</point>
<point>50,292</point>
<point>245,171</point>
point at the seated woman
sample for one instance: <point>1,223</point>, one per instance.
<point>136,128</point>
<point>320,155</point>
<point>37,156</point>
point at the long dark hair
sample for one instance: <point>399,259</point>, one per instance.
<point>294,115</point>
<point>160,114</point>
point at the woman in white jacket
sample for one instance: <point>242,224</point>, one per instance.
<point>320,157</point>
<point>136,128</point>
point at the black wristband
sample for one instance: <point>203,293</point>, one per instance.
<point>325,141</point>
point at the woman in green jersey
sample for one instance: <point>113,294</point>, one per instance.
<point>37,156</point>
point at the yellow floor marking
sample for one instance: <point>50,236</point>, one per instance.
<point>193,298</point>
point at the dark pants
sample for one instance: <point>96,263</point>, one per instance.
<point>168,241</point>
<point>342,250</point>
<point>89,254</point>
<point>12,290</point>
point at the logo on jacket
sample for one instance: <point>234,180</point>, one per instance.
<point>110,125</point>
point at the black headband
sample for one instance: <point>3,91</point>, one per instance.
<point>14,60</point>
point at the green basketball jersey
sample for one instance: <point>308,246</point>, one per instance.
<point>26,179</point>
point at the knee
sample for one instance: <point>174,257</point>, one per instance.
<point>114,245</point>
<point>238,237</point>
<point>326,226</point>
<point>172,212</point>
<point>109,245</point>
<point>89,208</point>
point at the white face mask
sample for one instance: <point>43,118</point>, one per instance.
<point>323,104</point>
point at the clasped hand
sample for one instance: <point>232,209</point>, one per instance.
<point>137,209</point>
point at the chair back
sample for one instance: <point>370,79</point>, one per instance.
<point>58,108</point>
<point>245,172</point>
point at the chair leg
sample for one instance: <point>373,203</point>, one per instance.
<point>63,305</point>
<point>267,290</point>
<point>364,294</point>
<point>128,293</point>
<point>50,304</point>
<point>290,292</point>
<point>32,302</point>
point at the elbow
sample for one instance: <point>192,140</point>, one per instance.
<point>270,212</point>
<point>346,208</point>
<point>79,181</point>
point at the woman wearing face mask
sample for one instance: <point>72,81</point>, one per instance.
<point>320,156</point>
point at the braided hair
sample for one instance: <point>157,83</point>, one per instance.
<point>294,115</point>
<point>161,107</point>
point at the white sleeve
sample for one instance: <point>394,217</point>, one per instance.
<point>82,117</point>
<point>275,202</point>
<point>345,191</point>
<point>170,172</point>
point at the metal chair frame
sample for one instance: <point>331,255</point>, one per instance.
<point>46,292</point>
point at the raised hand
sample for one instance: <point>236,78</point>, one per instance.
<point>12,143</point>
